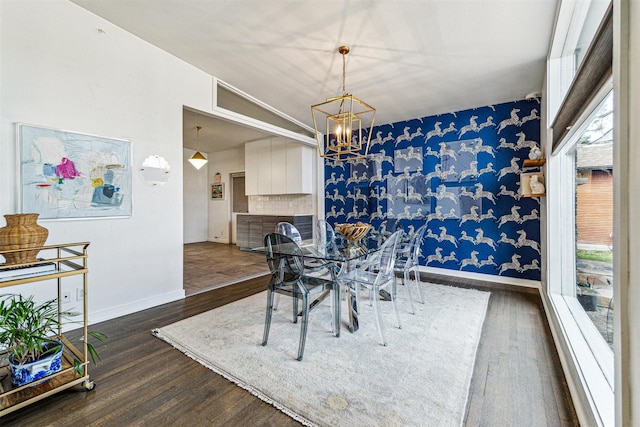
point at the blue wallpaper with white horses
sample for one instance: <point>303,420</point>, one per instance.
<point>460,172</point>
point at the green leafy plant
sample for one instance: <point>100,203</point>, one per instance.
<point>29,331</point>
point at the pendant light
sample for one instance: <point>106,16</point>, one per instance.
<point>343,124</point>
<point>198,160</point>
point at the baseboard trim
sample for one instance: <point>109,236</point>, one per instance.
<point>135,306</point>
<point>513,281</point>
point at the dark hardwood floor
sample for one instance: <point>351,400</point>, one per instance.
<point>142,381</point>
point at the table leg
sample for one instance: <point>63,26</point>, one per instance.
<point>353,310</point>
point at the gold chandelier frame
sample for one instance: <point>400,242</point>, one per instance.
<point>343,124</point>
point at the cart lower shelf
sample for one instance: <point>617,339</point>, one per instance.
<point>13,398</point>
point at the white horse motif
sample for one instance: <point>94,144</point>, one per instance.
<point>511,121</point>
<point>510,145</point>
<point>480,238</point>
<point>531,216</point>
<point>510,193</point>
<point>523,241</point>
<point>513,265</point>
<point>448,237</point>
<point>488,169</point>
<point>437,214</point>
<point>514,216</point>
<point>333,180</point>
<point>471,216</point>
<point>444,151</point>
<point>507,240</point>
<point>535,265</point>
<point>437,256</point>
<point>435,132</point>
<point>473,260</point>
<point>512,168</point>
<point>532,116</point>
<point>471,127</point>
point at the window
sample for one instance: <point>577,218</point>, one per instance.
<point>580,248</point>
<point>580,200</point>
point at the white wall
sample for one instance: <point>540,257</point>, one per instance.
<point>225,163</point>
<point>58,70</point>
<point>195,199</point>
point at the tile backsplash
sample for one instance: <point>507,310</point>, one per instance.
<point>285,204</point>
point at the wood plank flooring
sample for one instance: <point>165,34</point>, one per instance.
<point>209,265</point>
<point>142,381</point>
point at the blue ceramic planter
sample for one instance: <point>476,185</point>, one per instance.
<point>33,371</point>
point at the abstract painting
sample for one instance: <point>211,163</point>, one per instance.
<point>72,175</point>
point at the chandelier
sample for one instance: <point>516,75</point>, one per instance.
<point>343,125</point>
<point>198,160</point>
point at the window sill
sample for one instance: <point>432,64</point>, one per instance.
<point>597,388</point>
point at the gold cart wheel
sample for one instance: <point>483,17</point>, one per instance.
<point>89,385</point>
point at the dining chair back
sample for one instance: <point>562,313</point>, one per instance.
<point>375,277</point>
<point>408,258</point>
<point>326,236</point>
<point>290,231</point>
<point>285,261</point>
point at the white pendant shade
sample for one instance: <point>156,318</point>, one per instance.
<point>198,160</point>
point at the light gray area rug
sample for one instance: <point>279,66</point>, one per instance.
<point>421,378</point>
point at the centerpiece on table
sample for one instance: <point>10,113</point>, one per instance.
<point>353,233</point>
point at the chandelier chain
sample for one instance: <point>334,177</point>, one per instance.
<point>344,73</point>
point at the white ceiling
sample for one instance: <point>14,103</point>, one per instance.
<point>408,58</point>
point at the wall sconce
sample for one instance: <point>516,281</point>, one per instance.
<point>155,170</point>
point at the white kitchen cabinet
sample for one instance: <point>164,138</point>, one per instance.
<point>299,166</point>
<point>278,166</point>
<point>251,169</point>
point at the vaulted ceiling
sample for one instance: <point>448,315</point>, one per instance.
<point>408,58</point>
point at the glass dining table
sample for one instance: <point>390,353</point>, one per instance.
<point>345,255</point>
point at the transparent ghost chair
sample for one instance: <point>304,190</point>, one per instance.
<point>284,258</point>
<point>407,258</point>
<point>376,275</point>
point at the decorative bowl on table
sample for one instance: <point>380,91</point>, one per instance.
<point>353,232</point>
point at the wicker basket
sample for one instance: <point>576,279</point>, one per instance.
<point>353,232</point>
<point>22,232</point>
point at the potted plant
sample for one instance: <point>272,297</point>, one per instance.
<point>29,336</point>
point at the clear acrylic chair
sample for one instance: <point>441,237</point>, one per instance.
<point>326,236</point>
<point>313,267</point>
<point>284,258</point>
<point>290,231</point>
<point>375,277</point>
<point>407,258</point>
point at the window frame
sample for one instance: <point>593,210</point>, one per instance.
<point>593,359</point>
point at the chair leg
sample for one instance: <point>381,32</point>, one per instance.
<point>407,284</point>
<point>276,303</point>
<point>267,319</point>
<point>416,273</point>
<point>393,303</point>
<point>304,325</point>
<point>295,310</point>
<point>376,308</point>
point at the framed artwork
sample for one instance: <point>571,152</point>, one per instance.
<point>66,175</point>
<point>458,160</point>
<point>458,202</point>
<point>217,191</point>
<point>408,160</point>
